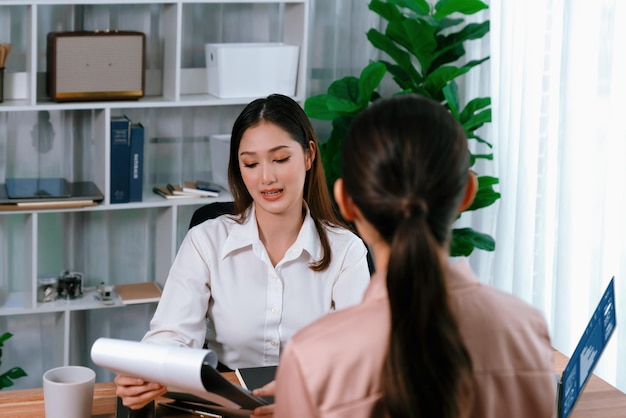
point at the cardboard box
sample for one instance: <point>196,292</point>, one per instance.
<point>251,69</point>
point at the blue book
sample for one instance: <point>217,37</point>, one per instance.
<point>120,159</point>
<point>136,162</point>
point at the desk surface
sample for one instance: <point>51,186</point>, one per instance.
<point>598,400</point>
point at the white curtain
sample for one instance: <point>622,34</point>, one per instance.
<point>557,80</point>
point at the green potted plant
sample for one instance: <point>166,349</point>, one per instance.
<point>6,378</point>
<point>423,44</point>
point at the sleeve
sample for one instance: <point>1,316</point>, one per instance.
<point>292,398</point>
<point>180,317</point>
<point>354,275</point>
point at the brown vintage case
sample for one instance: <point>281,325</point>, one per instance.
<point>95,65</point>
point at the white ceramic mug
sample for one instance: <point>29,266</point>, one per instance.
<point>68,392</point>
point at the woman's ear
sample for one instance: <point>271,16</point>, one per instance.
<point>470,191</point>
<point>310,155</point>
<point>345,203</point>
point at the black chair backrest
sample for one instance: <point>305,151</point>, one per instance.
<point>210,211</point>
<point>215,209</point>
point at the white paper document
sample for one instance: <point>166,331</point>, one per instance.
<point>181,369</point>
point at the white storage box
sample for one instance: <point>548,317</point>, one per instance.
<point>219,151</point>
<point>251,69</point>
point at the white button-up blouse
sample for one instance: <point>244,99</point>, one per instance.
<point>223,272</point>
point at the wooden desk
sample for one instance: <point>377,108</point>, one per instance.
<point>28,403</point>
<point>598,400</point>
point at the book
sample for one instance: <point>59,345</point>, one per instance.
<point>208,186</point>
<point>166,193</point>
<point>177,190</point>
<point>135,187</point>
<point>192,187</point>
<point>190,374</point>
<point>120,159</point>
<point>138,292</point>
<point>255,377</point>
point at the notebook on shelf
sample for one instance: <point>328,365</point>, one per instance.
<point>133,293</point>
<point>581,364</point>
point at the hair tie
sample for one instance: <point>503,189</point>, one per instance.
<point>414,207</point>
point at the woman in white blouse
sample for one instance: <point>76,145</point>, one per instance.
<point>244,284</point>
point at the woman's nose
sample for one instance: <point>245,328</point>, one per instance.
<point>267,174</point>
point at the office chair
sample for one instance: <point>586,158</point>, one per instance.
<point>203,213</point>
<point>210,211</point>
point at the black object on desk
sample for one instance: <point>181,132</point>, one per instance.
<point>148,411</point>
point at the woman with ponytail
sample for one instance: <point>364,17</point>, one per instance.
<point>428,339</point>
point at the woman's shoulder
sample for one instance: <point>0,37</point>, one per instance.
<point>340,232</point>
<point>350,326</point>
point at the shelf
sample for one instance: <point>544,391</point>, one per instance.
<point>121,2</point>
<point>113,243</point>
<point>89,301</point>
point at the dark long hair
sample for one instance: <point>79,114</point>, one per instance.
<point>284,112</point>
<point>406,164</point>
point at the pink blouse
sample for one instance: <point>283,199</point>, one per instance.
<point>331,368</point>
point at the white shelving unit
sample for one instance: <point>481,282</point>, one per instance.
<point>112,243</point>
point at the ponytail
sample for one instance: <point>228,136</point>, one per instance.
<point>406,165</point>
<point>427,371</point>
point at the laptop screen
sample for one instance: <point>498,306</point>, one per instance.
<point>587,352</point>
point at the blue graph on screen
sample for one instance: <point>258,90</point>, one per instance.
<point>588,350</point>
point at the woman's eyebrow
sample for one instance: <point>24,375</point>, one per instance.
<point>277,148</point>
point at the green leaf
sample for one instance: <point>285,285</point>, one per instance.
<point>487,181</point>
<point>5,382</point>
<point>420,7</point>
<point>474,157</point>
<point>473,106</point>
<point>342,106</point>
<point>5,337</point>
<point>477,120</point>
<point>451,47</point>
<point>15,373</point>
<point>483,156</point>
<point>469,32</point>
<point>450,92</point>
<point>486,195</point>
<point>444,8</point>
<point>316,107</point>
<point>464,240</point>
<point>370,79</point>
<point>345,88</point>
<point>331,150</point>
<point>443,23</point>
<point>400,76</point>
<point>438,79</point>
<point>387,11</point>
<point>473,135</point>
<point>447,56</point>
<point>417,37</point>
<point>336,102</point>
<point>400,56</point>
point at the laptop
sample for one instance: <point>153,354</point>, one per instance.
<point>28,188</point>
<point>571,382</point>
<point>39,190</point>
